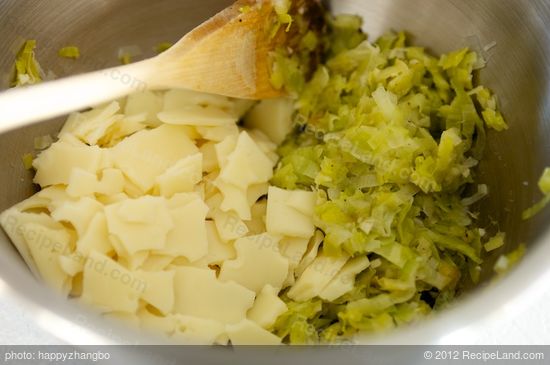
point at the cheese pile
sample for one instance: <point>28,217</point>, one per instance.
<point>152,209</point>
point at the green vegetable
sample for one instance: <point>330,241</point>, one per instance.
<point>125,59</point>
<point>27,160</point>
<point>544,186</point>
<point>496,242</point>
<point>389,137</point>
<point>27,69</point>
<point>506,262</point>
<point>70,52</point>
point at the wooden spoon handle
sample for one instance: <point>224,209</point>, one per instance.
<point>27,105</point>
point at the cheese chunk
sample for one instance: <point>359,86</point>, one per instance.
<point>156,262</point>
<point>290,213</point>
<point>82,183</point>
<point>199,293</point>
<point>13,222</point>
<point>267,307</point>
<point>148,153</point>
<point>109,286</point>
<point>316,277</point>
<point>255,192</point>
<point>177,98</point>
<point>273,117</point>
<point>247,164</point>
<point>293,249</point>
<point>257,224</point>
<point>209,158</point>
<point>218,250</point>
<point>229,225</point>
<point>344,281</point>
<point>140,224</point>
<point>234,199</point>
<point>218,134</point>
<point>55,165</point>
<point>191,115</point>
<point>90,126</point>
<point>258,263</point>
<point>158,289</point>
<point>111,182</point>
<point>163,325</point>
<point>198,331</point>
<point>249,333</point>
<point>188,238</point>
<point>79,213</point>
<point>46,245</point>
<point>145,102</point>
<point>224,149</point>
<point>181,177</point>
<point>311,253</point>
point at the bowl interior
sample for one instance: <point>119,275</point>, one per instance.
<point>511,35</point>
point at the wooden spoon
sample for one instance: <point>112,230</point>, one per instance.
<point>227,55</point>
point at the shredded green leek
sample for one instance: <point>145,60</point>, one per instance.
<point>27,69</point>
<point>389,137</point>
<point>71,52</point>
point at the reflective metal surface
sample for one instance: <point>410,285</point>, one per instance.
<point>511,35</point>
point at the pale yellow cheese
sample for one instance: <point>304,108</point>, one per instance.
<point>188,237</point>
<point>311,254</point>
<point>224,149</point>
<point>140,224</point>
<point>111,182</point>
<point>229,225</point>
<point>200,294</point>
<point>255,192</point>
<point>344,281</point>
<point>293,249</point>
<point>78,213</point>
<point>148,153</point>
<point>109,286</point>
<point>197,331</point>
<point>158,289</point>
<point>181,177</point>
<point>45,246</point>
<point>177,98</point>
<point>218,134</point>
<point>82,183</point>
<point>316,277</point>
<point>95,237</point>
<point>265,144</point>
<point>247,164</point>
<point>273,117</point>
<point>147,102</point>
<point>209,158</point>
<point>192,115</point>
<point>55,165</point>
<point>286,212</point>
<point>164,325</point>
<point>234,199</point>
<point>257,224</point>
<point>90,126</point>
<point>132,261</point>
<point>258,263</point>
<point>247,332</point>
<point>218,250</point>
<point>13,222</point>
<point>157,262</point>
<point>213,204</point>
<point>267,307</point>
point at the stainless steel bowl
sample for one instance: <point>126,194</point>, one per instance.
<point>512,36</point>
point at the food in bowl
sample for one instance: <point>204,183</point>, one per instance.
<point>164,211</point>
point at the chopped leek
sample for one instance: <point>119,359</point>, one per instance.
<point>389,137</point>
<point>27,69</point>
<point>69,52</point>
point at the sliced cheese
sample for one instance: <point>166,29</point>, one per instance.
<point>140,224</point>
<point>267,307</point>
<point>146,102</point>
<point>158,289</point>
<point>273,117</point>
<point>191,115</point>
<point>247,164</point>
<point>218,250</point>
<point>55,165</point>
<point>181,177</point>
<point>199,293</point>
<point>148,153</point>
<point>316,277</point>
<point>209,158</point>
<point>229,225</point>
<point>198,331</point>
<point>290,213</point>
<point>109,286</point>
<point>234,199</point>
<point>258,263</point>
<point>344,281</point>
<point>218,134</point>
<point>78,213</point>
<point>249,333</point>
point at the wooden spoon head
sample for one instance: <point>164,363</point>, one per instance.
<point>228,55</point>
